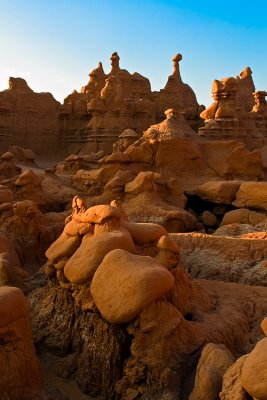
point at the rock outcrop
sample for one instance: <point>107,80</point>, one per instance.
<point>93,119</point>
<point>234,115</point>
<point>28,119</point>
<point>21,372</point>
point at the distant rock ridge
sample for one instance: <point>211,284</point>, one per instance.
<point>106,106</point>
<point>93,119</point>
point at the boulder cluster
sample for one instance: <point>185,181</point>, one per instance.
<point>98,247</point>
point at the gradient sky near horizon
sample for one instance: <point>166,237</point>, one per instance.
<point>54,44</point>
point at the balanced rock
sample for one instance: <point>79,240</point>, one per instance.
<point>125,284</point>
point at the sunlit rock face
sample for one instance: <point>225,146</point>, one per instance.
<point>93,118</point>
<point>238,112</point>
<point>27,118</point>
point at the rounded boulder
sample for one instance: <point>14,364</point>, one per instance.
<point>254,373</point>
<point>125,284</point>
<point>81,267</point>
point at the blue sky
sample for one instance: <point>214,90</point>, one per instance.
<point>54,44</point>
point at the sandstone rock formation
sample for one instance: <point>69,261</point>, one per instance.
<point>21,372</point>
<point>178,95</point>
<point>27,118</point>
<point>233,115</point>
<point>166,337</point>
<point>247,376</point>
<point>94,118</point>
<point>146,278</point>
<point>213,363</point>
<point>156,274</point>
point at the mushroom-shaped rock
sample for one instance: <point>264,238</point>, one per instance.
<point>254,372</point>
<point>82,265</point>
<point>125,284</point>
<point>98,214</point>
<point>144,232</point>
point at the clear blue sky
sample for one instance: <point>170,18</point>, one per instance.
<point>54,44</point>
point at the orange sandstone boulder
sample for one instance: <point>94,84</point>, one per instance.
<point>214,361</point>
<point>144,181</point>
<point>21,373</point>
<point>254,372</point>
<point>144,232</point>
<point>232,160</point>
<point>243,216</point>
<point>220,192</point>
<point>119,180</point>
<point>252,195</point>
<point>64,246</point>
<point>232,388</point>
<point>125,284</point>
<point>208,218</point>
<point>81,267</point>
<point>140,152</point>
